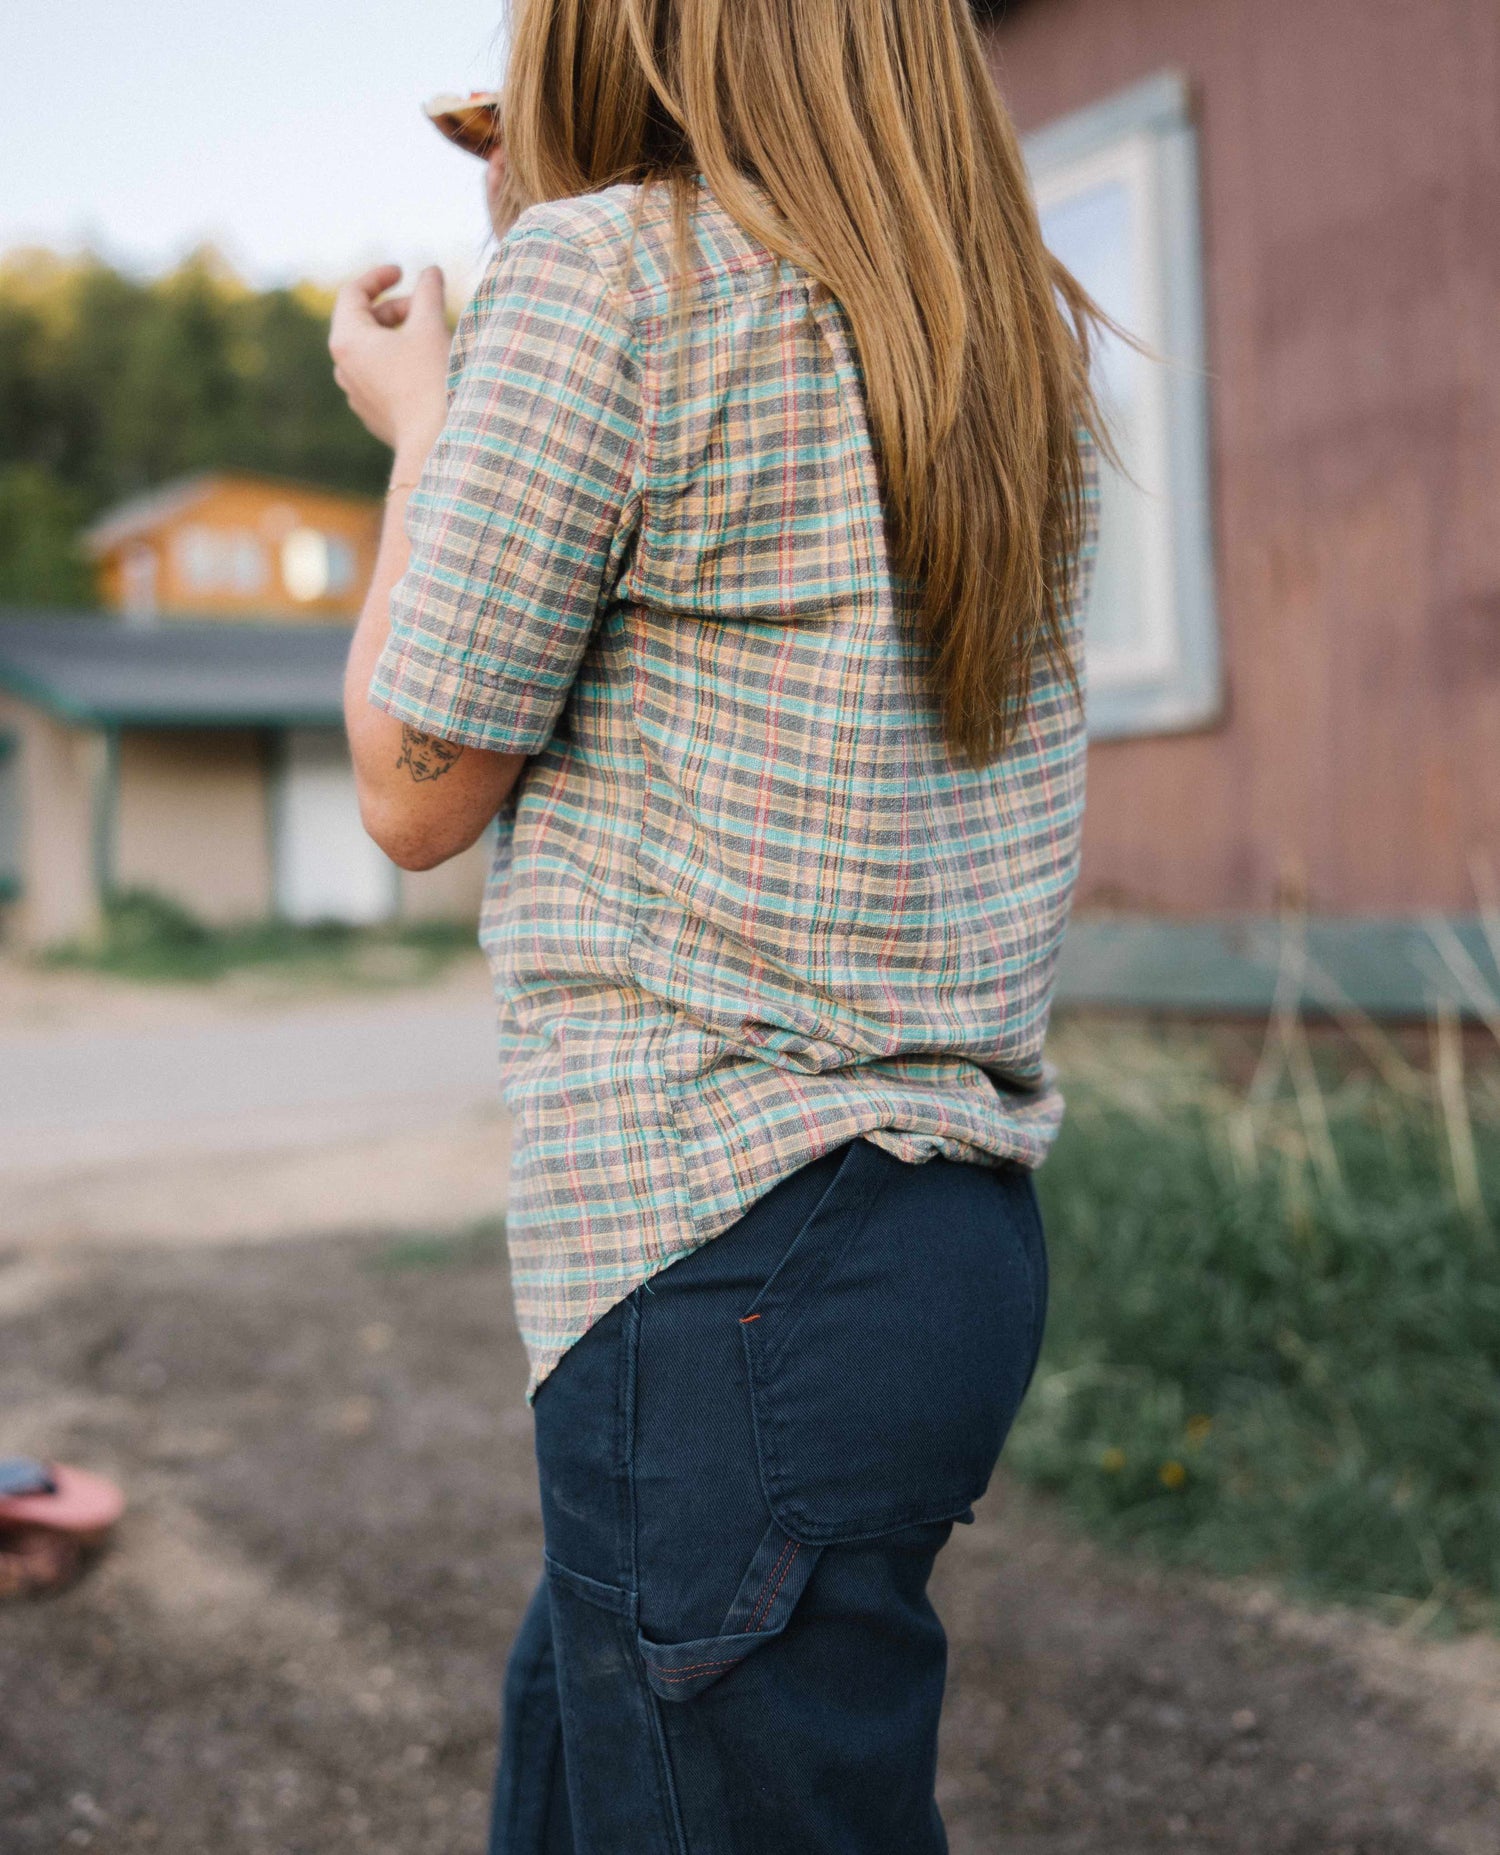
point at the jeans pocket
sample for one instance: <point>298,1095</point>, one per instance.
<point>776,1577</point>
<point>620,1794</point>
<point>890,1349</point>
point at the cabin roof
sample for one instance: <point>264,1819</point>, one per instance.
<point>144,514</point>
<point>100,671</point>
<point>153,509</point>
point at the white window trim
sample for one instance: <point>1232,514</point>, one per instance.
<point>1145,136</point>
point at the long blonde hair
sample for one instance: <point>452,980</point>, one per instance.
<point>886,166</point>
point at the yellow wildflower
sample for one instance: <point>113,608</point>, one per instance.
<point>1173,1474</point>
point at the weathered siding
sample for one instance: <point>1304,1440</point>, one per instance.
<point>191,820</point>
<point>1350,155</point>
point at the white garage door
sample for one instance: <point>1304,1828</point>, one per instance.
<point>327,869</point>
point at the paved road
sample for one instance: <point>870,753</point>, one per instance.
<point>308,1118</point>
<point>77,1098</point>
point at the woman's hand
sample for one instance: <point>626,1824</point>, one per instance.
<point>391,359</point>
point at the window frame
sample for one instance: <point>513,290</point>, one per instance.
<point>1145,135</point>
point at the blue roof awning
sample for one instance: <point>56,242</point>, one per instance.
<point>174,672</point>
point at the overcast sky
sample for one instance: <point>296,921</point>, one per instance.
<point>287,131</point>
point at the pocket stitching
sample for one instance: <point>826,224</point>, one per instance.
<point>795,1519</point>
<point>763,1609</point>
<point>788,1512</point>
<point>769,1614</point>
<point>844,1165</point>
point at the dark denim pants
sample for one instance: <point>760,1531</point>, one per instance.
<point>747,1470</point>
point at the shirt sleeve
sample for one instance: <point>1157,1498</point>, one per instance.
<point>523,513</point>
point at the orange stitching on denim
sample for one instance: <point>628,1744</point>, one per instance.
<point>766,1607</point>
<point>783,1578</point>
<point>760,1596</point>
<point>693,1668</point>
<point>745,1319</point>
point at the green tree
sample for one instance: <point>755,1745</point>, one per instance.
<point>111,384</point>
<point>40,560</point>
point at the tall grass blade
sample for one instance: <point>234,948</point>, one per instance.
<point>1376,1044</point>
<point>1487,888</point>
<point>1453,1099</point>
<point>1475,990</point>
<point>1311,1106</point>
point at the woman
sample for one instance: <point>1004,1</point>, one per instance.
<point>739,569</point>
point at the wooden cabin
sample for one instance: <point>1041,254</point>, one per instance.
<point>230,545</point>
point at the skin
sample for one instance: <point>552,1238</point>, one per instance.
<point>422,799</point>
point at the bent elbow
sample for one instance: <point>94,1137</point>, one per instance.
<point>411,847</point>
<point>416,857</point>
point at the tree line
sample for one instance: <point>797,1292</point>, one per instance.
<point>111,384</point>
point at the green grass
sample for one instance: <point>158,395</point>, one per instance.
<point>482,1245</point>
<point>1274,1334</point>
<point>145,936</point>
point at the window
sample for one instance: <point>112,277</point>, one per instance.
<point>341,565</point>
<point>218,560</point>
<point>244,564</point>
<point>315,565</point>
<point>138,584</point>
<point>1116,187</point>
<point>198,559</point>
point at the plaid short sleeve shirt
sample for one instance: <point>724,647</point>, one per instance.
<point>744,903</point>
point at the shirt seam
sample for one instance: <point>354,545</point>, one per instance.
<point>632,503</point>
<point>622,302</point>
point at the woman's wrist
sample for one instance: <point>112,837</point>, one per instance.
<point>409,460</point>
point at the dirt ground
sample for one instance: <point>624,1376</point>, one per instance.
<point>295,1647</point>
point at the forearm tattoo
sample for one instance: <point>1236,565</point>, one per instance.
<point>424,756</point>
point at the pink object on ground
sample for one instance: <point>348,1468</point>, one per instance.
<point>84,1506</point>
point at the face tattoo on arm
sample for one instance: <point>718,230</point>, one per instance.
<point>424,755</point>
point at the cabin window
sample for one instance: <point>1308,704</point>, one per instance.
<point>139,598</point>
<point>315,565</point>
<point>342,566</point>
<point>218,560</point>
<point>1116,187</point>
